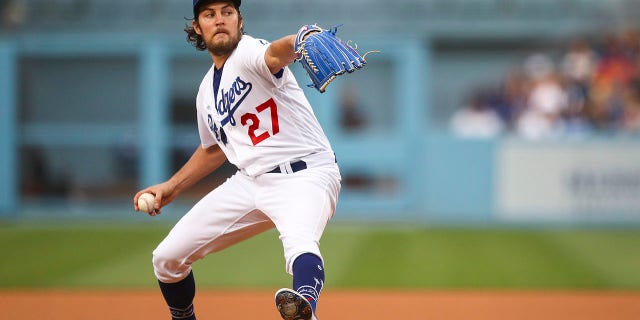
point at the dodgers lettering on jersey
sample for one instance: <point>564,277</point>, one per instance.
<point>258,119</point>
<point>230,100</point>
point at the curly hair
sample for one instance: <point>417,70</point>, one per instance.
<point>196,40</point>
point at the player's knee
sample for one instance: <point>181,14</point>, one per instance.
<point>293,252</point>
<point>168,268</point>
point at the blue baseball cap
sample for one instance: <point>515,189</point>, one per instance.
<point>197,3</point>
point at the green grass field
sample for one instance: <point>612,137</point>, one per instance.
<point>376,256</point>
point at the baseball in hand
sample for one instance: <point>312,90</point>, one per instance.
<point>146,202</point>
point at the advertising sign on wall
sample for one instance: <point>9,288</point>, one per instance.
<point>571,180</point>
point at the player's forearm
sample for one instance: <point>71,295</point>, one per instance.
<point>202,163</point>
<point>280,53</point>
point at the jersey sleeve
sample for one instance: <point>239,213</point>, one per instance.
<point>255,52</point>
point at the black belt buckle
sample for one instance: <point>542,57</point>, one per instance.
<point>295,167</point>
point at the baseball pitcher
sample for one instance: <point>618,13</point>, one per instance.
<point>252,112</point>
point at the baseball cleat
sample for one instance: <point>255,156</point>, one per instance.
<point>293,306</point>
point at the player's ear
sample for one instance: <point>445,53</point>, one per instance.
<point>196,27</point>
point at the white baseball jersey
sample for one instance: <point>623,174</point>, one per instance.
<point>258,119</point>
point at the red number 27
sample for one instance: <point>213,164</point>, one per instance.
<point>254,122</point>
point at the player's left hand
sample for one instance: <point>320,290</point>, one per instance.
<point>324,56</point>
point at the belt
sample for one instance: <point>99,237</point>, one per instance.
<point>295,167</point>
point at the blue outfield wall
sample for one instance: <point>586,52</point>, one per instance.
<point>508,180</point>
<point>459,179</point>
<point>8,135</point>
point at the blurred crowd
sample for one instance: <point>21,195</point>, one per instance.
<point>591,87</point>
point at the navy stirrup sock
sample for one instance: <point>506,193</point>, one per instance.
<point>179,297</point>
<point>308,277</point>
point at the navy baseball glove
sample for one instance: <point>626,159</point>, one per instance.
<point>324,56</point>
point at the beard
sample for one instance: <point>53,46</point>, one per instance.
<point>224,47</point>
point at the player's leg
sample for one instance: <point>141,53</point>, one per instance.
<point>179,297</point>
<point>308,280</point>
<point>222,218</point>
<point>308,277</point>
<point>301,205</point>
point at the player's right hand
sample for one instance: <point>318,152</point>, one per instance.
<point>164,193</point>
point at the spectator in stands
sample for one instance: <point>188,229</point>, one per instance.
<point>477,119</point>
<point>578,65</point>
<point>352,119</point>
<point>613,73</point>
<point>546,101</point>
<point>630,43</point>
<point>630,120</point>
<point>579,62</point>
<point>12,13</point>
<point>511,100</point>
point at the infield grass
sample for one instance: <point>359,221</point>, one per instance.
<point>377,256</point>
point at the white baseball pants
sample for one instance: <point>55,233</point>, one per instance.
<point>299,205</point>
